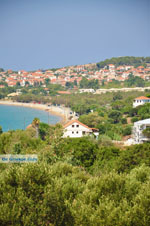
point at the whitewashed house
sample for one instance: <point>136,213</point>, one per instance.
<point>140,101</point>
<point>138,131</point>
<point>111,67</point>
<point>75,128</point>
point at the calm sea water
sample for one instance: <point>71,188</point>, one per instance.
<point>16,117</point>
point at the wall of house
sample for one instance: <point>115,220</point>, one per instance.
<point>140,102</point>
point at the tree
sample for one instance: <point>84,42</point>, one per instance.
<point>75,82</point>
<point>1,131</point>
<point>146,132</point>
<point>117,96</point>
<point>144,111</point>
<point>103,82</point>
<point>47,81</point>
<point>124,121</point>
<point>133,156</point>
<point>18,84</point>
<point>44,130</point>
<point>118,104</point>
<point>83,150</point>
<point>127,131</point>
<point>69,84</point>
<point>1,70</point>
<point>134,81</point>
<point>35,123</point>
<point>115,116</point>
<point>1,96</point>
<point>27,83</point>
<point>148,95</point>
<point>85,83</point>
<point>91,120</point>
<point>31,198</point>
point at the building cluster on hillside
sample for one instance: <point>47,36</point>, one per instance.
<point>74,74</point>
<point>121,73</point>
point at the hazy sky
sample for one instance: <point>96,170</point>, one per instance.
<point>54,33</point>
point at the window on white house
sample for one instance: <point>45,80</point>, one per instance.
<point>77,132</point>
<point>72,132</point>
<point>77,125</point>
<point>72,125</point>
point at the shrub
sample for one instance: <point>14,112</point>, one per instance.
<point>134,119</point>
<point>127,131</point>
<point>124,121</point>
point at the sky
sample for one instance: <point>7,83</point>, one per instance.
<point>44,34</point>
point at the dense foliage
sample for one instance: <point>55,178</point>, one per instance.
<point>134,81</point>
<point>6,90</point>
<point>93,83</point>
<point>135,61</point>
<point>75,181</point>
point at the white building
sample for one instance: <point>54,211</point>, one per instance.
<point>140,101</point>
<point>111,67</point>
<point>138,131</point>
<point>75,128</point>
<point>86,90</point>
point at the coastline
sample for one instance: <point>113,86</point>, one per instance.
<point>62,112</point>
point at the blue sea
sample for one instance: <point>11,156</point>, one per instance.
<point>16,117</point>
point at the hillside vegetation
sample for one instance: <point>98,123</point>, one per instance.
<point>113,114</point>
<point>127,60</point>
<point>79,181</point>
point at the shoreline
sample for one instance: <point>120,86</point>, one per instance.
<point>62,112</point>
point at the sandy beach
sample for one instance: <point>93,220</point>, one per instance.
<point>60,111</point>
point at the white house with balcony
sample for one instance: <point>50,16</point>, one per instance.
<point>140,101</point>
<point>138,128</point>
<point>75,128</point>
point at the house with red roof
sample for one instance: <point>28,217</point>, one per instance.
<point>140,101</point>
<point>74,128</point>
<point>111,67</point>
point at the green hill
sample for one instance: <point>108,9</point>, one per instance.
<point>127,60</point>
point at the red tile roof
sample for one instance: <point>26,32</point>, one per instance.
<point>73,121</point>
<point>140,67</point>
<point>64,92</point>
<point>142,98</point>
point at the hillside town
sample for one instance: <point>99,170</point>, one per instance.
<point>75,113</point>
<point>74,74</point>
